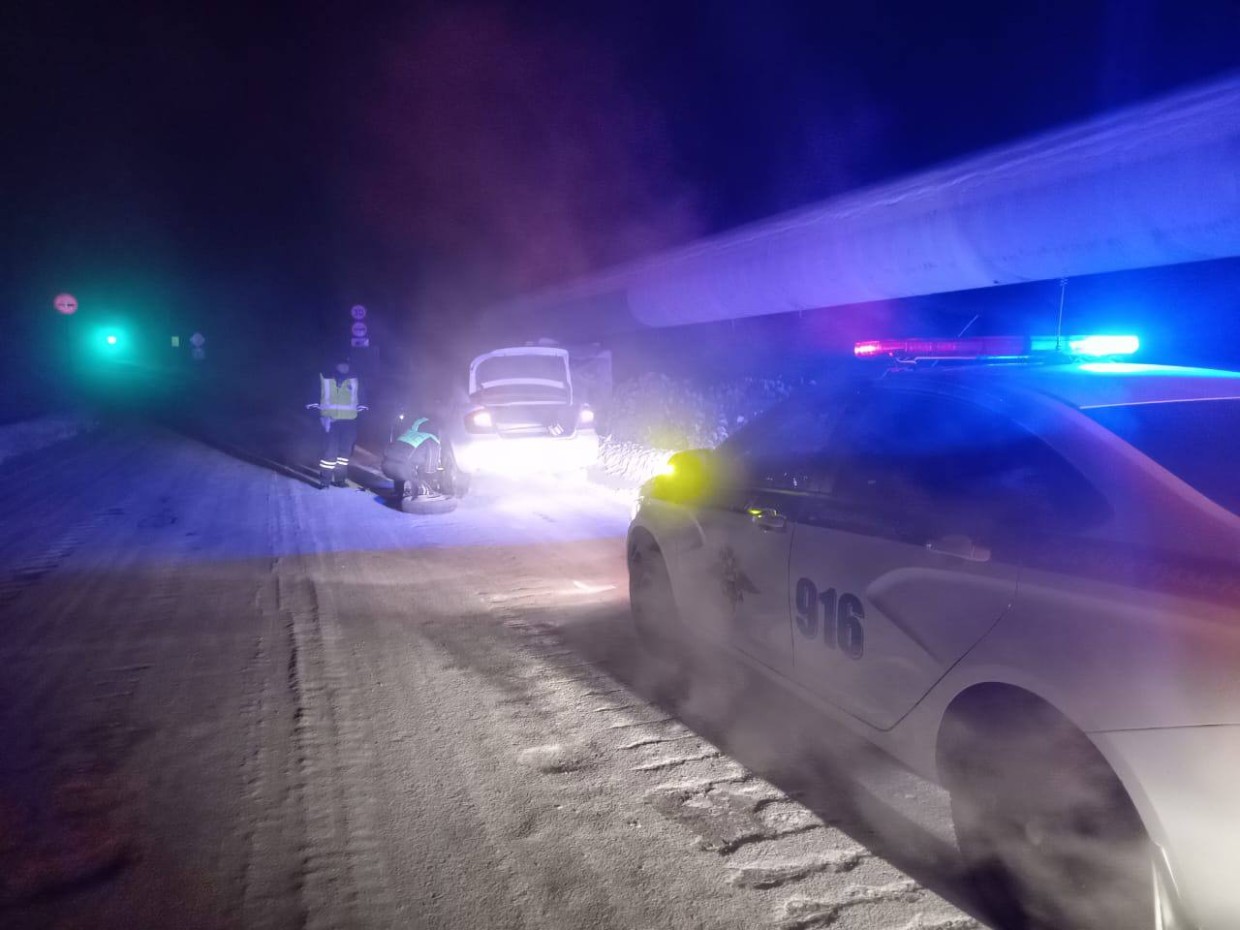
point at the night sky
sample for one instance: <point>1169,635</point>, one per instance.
<point>279,161</point>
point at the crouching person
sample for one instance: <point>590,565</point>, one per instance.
<point>412,461</point>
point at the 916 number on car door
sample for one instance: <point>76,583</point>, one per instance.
<point>836,619</point>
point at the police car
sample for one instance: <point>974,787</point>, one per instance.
<point>1019,577</point>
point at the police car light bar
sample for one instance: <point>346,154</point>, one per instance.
<point>998,348</point>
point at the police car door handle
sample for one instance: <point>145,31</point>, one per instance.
<point>768,519</point>
<point>960,547</point>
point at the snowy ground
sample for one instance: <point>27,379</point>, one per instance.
<point>655,415</point>
<point>233,700</point>
<point>23,436</point>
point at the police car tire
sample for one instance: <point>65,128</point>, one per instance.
<point>1047,832</point>
<point>650,597</point>
<point>428,505</point>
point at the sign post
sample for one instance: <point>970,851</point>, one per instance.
<point>360,338</point>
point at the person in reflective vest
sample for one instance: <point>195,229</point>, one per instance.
<point>339,404</point>
<point>412,459</point>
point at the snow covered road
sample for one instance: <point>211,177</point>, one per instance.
<point>231,700</point>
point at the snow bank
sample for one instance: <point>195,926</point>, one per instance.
<point>630,464</point>
<point>30,435</point>
<point>654,415</point>
<point>663,412</point>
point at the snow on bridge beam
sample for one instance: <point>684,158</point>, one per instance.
<point>1155,184</point>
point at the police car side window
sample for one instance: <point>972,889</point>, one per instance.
<point>955,465</point>
<point>786,448</point>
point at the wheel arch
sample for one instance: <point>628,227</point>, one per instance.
<point>989,704</point>
<point>984,705</point>
<point>640,538</point>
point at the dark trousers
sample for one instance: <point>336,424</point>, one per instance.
<point>337,449</point>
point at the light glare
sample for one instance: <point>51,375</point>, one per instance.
<point>1099,346</point>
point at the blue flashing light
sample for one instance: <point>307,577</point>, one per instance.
<point>1102,346</point>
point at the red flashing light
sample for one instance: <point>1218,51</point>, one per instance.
<point>966,348</point>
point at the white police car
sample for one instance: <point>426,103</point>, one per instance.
<point>1021,580</point>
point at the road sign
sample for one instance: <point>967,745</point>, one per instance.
<point>359,312</point>
<point>359,330</point>
<point>197,353</point>
<point>198,340</point>
<point>362,343</point>
<point>66,304</point>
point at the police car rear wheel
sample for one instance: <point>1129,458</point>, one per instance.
<point>1047,831</point>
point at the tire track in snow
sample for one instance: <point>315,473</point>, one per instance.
<point>270,886</point>
<point>733,812</point>
<point>777,873</point>
<point>343,880</point>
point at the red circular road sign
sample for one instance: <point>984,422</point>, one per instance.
<point>359,330</point>
<point>359,312</point>
<point>66,304</point>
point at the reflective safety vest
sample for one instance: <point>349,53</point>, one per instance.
<point>414,435</point>
<point>338,399</point>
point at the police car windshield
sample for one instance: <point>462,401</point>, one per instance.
<point>1197,441</point>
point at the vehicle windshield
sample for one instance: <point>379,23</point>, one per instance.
<point>1197,441</point>
<point>522,378</point>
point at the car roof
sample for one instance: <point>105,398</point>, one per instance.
<point>1093,384</point>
